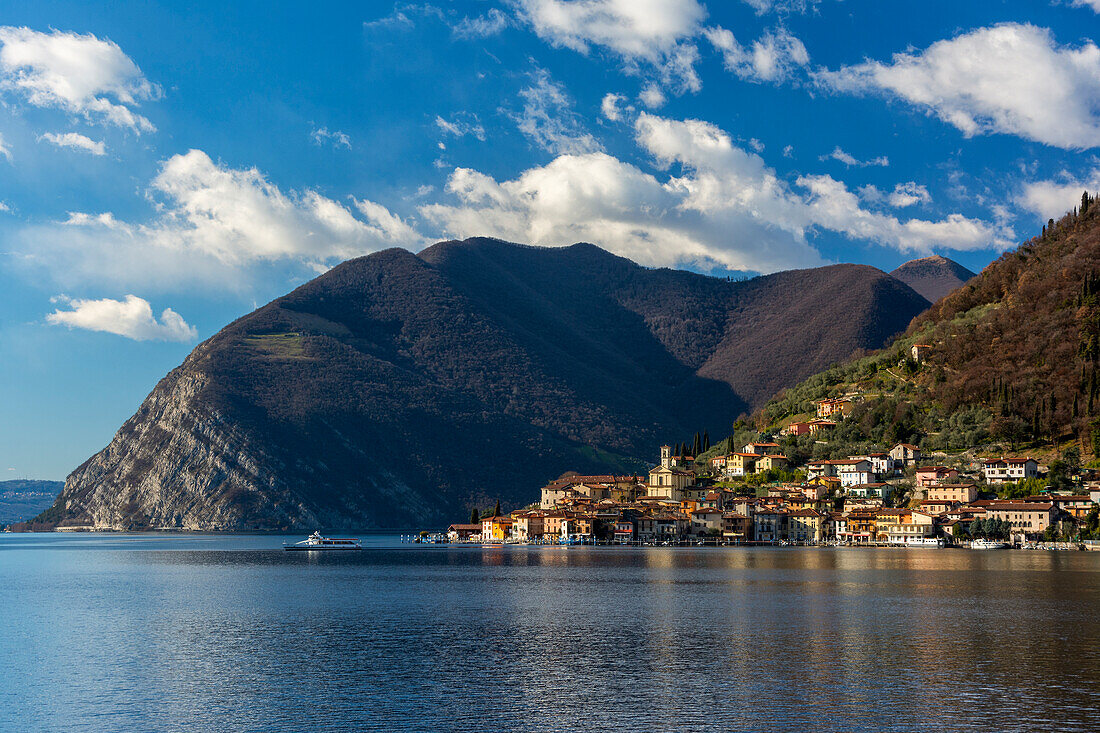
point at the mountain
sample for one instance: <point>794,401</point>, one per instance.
<point>400,388</point>
<point>22,499</point>
<point>1008,362</point>
<point>933,277</point>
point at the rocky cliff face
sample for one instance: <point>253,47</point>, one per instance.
<point>399,389</point>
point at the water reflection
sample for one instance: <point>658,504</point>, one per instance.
<point>180,633</point>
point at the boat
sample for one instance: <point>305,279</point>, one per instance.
<point>316,542</point>
<point>924,542</point>
<point>984,544</point>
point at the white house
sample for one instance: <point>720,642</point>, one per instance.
<point>1001,470</point>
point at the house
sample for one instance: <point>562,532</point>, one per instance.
<point>796,429</point>
<point>805,525</point>
<point>932,475</point>
<point>881,463</point>
<point>624,530</point>
<point>741,464</point>
<point>735,526</point>
<point>817,426</point>
<point>957,493</point>
<point>576,527</point>
<point>919,352</point>
<point>836,524</point>
<point>854,473</point>
<point>770,461</point>
<point>707,521</point>
<point>464,533</point>
<point>1027,518</point>
<point>527,526</point>
<point>1076,506</point>
<point>819,469</point>
<point>915,525</point>
<point>761,449</point>
<point>879,490</point>
<point>496,529</point>
<point>1001,470</point>
<point>769,525</point>
<point>937,506</point>
<point>905,454</point>
<point>860,526</point>
<point>718,463</point>
<point>830,407</point>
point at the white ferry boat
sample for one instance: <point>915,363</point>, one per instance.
<point>316,542</point>
<point>924,542</point>
<point>984,544</point>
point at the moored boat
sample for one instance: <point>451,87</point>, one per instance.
<point>984,544</point>
<point>316,542</point>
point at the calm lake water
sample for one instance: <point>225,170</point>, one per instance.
<point>120,633</point>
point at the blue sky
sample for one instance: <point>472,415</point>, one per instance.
<point>165,168</point>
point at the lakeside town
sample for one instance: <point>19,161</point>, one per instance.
<point>754,494</point>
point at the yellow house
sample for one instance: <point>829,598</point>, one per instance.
<point>496,529</point>
<point>741,464</point>
<point>764,463</point>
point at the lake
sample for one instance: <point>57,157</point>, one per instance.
<point>228,632</point>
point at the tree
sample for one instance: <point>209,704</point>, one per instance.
<point>496,509</point>
<point>706,441</point>
<point>976,528</point>
<point>1084,202</point>
<point>958,531</point>
<point>696,447</point>
<point>475,516</point>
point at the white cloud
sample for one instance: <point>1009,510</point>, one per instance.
<point>652,97</point>
<point>788,151</point>
<point>609,107</point>
<point>483,26</point>
<point>782,6</point>
<point>549,120</point>
<point>652,33</point>
<point>461,124</point>
<point>81,74</point>
<point>76,141</point>
<point>850,160</point>
<point>907,194</point>
<point>1010,78</point>
<point>1051,198</point>
<point>132,318</point>
<point>774,57</point>
<point>726,209</point>
<point>322,135</point>
<point>213,223</point>
<point>756,145</point>
<point>1094,4</point>
<point>4,149</point>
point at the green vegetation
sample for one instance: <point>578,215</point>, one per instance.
<point>1013,362</point>
<point>279,345</point>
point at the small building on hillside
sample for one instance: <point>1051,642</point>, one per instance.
<point>905,454</point>
<point>1003,470</point>
<point>958,493</point>
<point>818,426</point>
<point>920,352</point>
<point>932,475</point>
<point>796,429</point>
<point>770,461</point>
<point>833,407</point>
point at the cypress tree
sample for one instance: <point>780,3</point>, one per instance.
<point>496,509</point>
<point>475,516</point>
<point>706,441</point>
<point>695,447</point>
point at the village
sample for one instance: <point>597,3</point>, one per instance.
<point>897,497</point>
